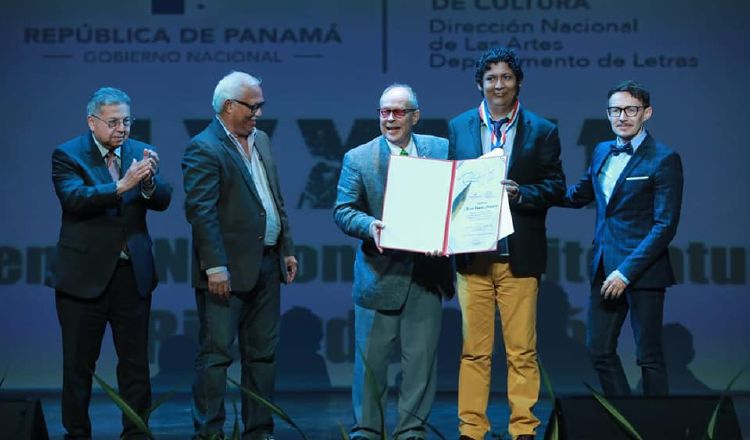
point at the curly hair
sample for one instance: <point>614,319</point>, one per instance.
<point>498,55</point>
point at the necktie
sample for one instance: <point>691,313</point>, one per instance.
<point>496,126</point>
<point>403,152</point>
<point>615,150</point>
<point>114,169</point>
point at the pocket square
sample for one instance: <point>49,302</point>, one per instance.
<point>637,178</point>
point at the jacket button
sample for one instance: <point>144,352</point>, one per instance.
<point>262,214</point>
<point>260,237</point>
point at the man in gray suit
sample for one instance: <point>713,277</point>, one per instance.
<point>242,250</point>
<point>397,294</point>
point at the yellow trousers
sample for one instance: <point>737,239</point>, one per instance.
<point>488,283</point>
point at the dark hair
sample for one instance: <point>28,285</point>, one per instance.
<point>498,55</point>
<point>636,91</point>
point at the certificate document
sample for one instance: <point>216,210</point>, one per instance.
<point>448,206</point>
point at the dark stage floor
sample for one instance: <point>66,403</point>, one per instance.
<point>318,414</point>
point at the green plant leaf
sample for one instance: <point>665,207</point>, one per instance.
<point>612,410</point>
<point>711,429</point>
<point>159,403</point>
<point>344,434</point>
<point>553,428</point>
<point>547,382</point>
<point>124,407</point>
<point>372,383</point>
<point>429,425</point>
<point>273,407</point>
<point>236,435</point>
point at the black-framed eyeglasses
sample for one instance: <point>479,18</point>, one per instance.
<point>398,113</point>
<point>114,123</point>
<point>630,111</point>
<point>252,107</point>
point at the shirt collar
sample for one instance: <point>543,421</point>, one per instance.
<point>395,149</point>
<point>507,115</point>
<point>250,137</point>
<point>636,141</point>
<point>102,149</point>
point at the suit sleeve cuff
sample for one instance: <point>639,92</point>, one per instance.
<point>621,276</point>
<point>147,189</point>
<point>217,269</point>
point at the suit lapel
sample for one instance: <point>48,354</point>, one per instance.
<point>264,153</point>
<point>99,171</point>
<point>126,157</point>
<point>235,156</point>
<point>379,177</point>
<point>423,149</point>
<point>384,158</point>
<point>95,160</point>
<point>476,135</point>
<point>638,156</point>
<point>523,129</point>
<point>597,163</point>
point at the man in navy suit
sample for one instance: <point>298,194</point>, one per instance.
<point>636,183</point>
<point>397,294</point>
<point>104,270</point>
<point>507,279</point>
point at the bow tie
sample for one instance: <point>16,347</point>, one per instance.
<point>615,150</point>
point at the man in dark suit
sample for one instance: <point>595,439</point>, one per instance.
<point>508,278</point>
<point>104,268</point>
<point>397,294</point>
<point>636,183</point>
<point>242,249</point>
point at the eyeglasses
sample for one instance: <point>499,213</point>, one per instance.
<point>630,111</point>
<point>252,107</point>
<point>114,123</point>
<point>398,113</point>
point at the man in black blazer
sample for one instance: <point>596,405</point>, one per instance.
<point>242,251</point>
<point>508,278</point>
<point>104,270</point>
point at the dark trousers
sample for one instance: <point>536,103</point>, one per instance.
<point>83,322</point>
<point>253,317</point>
<point>606,317</point>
